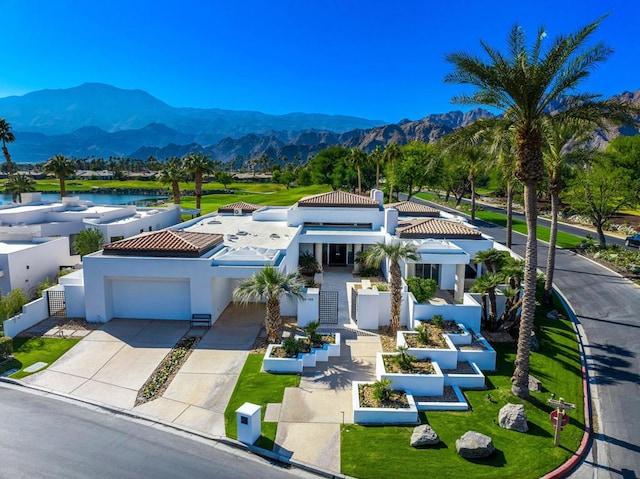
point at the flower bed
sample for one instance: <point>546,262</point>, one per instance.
<point>164,373</point>
<point>479,352</point>
<point>275,360</point>
<point>451,399</point>
<point>394,414</point>
<point>470,377</point>
<point>419,384</point>
<point>446,357</point>
<point>275,364</point>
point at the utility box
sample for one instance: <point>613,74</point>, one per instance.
<point>249,422</point>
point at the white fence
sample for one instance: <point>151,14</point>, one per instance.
<point>32,314</point>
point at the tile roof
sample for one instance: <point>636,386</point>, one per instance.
<point>166,243</point>
<point>338,198</point>
<point>410,208</point>
<point>436,228</point>
<point>246,207</point>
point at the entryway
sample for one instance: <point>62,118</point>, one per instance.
<point>337,255</point>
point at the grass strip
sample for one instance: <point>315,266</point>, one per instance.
<point>259,388</point>
<point>28,351</point>
<point>383,452</point>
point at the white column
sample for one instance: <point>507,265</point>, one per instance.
<point>357,248</point>
<point>318,253</point>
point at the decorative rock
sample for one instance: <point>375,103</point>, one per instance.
<point>535,345</point>
<point>552,315</point>
<point>535,385</point>
<point>513,417</point>
<point>473,445</point>
<point>424,435</point>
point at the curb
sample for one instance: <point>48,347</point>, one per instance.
<point>264,453</point>
<point>587,438</point>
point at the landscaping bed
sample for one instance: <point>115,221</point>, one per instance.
<point>31,350</point>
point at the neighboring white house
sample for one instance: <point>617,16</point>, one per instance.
<point>25,264</point>
<point>194,267</point>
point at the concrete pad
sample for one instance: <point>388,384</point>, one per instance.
<point>209,391</point>
<point>131,366</point>
<point>81,333</point>
<point>35,367</point>
<point>316,406</point>
<point>207,361</point>
<point>54,331</point>
<point>316,444</point>
<point>60,382</point>
<point>272,412</point>
<point>163,409</point>
<point>202,420</point>
<point>119,330</point>
<point>160,333</point>
<point>363,349</point>
<point>230,338</point>
<point>339,375</point>
<point>107,393</point>
<point>86,358</point>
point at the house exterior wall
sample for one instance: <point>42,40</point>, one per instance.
<point>448,276</point>
<point>163,219</point>
<point>298,216</point>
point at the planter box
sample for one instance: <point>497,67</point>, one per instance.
<point>281,365</point>
<point>446,358</point>
<point>473,380</point>
<point>334,349</point>
<point>484,359</point>
<point>460,405</point>
<point>418,384</point>
<point>460,338</point>
<point>379,415</point>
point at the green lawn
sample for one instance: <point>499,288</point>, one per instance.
<point>564,240</point>
<point>28,351</point>
<point>384,452</point>
<point>258,388</point>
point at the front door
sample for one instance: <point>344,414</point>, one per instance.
<point>338,254</point>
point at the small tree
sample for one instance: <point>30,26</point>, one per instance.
<point>19,183</point>
<point>12,303</point>
<point>422,289</point>
<point>225,178</point>
<point>88,241</point>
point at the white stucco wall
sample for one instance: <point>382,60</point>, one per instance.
<point>375,216</point>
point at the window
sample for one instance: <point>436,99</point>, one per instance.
<point>428,271</point>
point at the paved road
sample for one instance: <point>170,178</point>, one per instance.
<point>608,309</point>
<point>48,438</point>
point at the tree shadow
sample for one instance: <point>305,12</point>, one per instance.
<point>496,459</point>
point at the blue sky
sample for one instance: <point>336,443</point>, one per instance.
<point>375,59</point>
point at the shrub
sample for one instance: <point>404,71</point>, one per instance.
<point>382,389</point>
<point>422,289</point>
<point>308,264</point>
<point>12,303</point>
<point>423,334</point>
<point>312,332</point>
<point>437,321</point>
<point>403,359</point>
<point>6,347</point>
<point>291,347</point>
<point>365,271</point>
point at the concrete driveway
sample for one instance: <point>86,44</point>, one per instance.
<point>111,364</point>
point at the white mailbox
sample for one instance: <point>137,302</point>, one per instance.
<point>249,422</point>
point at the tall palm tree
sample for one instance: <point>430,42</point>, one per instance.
<point>487,285</point>
<point>6,136</point>
<point>475,159</point>
<point>173,172</point>
<point>525,85</point>
<point>392,154</point>
<point>62,167</point>
<point>377,157</point>
<point>558,136</point>
<point>358,158</point>
<point>198,164</point>
<point>18,183</point>
<point>393,253</point>
<point>270,284</point>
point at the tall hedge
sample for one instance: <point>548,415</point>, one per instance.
<point>6,347</point>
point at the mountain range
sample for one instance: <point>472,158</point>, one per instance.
<point>102,120</point>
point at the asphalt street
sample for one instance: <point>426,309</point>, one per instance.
<point>608,309</point>
<point>49,438</point>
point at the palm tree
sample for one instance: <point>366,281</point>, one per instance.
<point>525,85</point>
<point>88,241</point>
<point>392,154</point>
<point>6,136</point>
<point>173,172</point>
<point>270,284</point>
<point>377,157</point>
<point>198,164</point>
<point>487,285</point>
<point>474,159</point>
<point>393,253</point>
<point>18,183</point>
<point>62,167</point>
<point>358,158</point>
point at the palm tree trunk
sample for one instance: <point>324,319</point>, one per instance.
<point>509,214</point>
<point>493,310</point>
<point>198,188</point>
<point>5,152</point>
<point>396,297</point>
<point>359,181</point>
<point>273,320</point>
<point>176,192</point>
<point>63,189</point>
<point>551,256</point>
<point>377,174</point>
<point>473,202</point>
<point>520,378</point>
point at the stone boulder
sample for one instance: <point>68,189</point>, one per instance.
<point>513,417</point>
<point>473,445</point>
<point>535,385</point>
<point>424,435</point>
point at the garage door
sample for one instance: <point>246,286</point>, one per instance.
<point>146,299</point>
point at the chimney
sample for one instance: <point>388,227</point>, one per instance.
<point>378,196</point>
<point>390,220</point>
